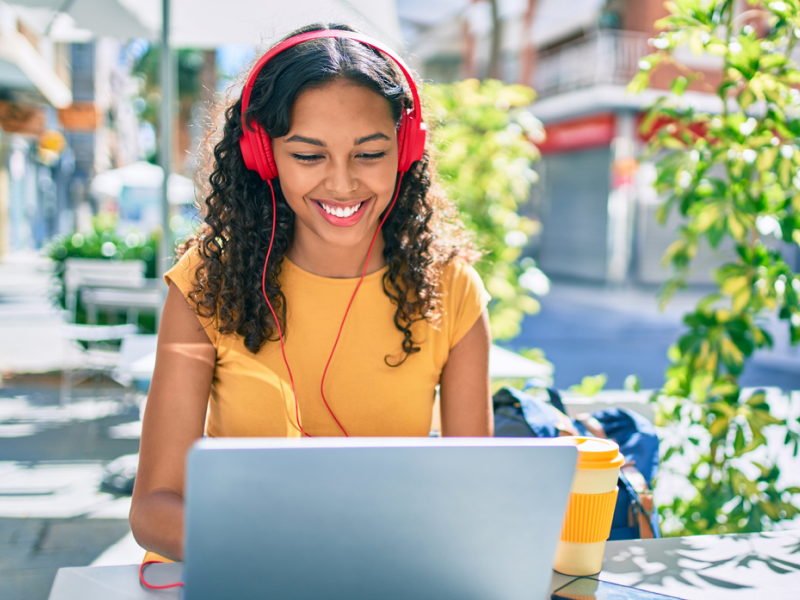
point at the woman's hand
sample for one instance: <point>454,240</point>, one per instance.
<point>174,418</point>
<point>465,396</point>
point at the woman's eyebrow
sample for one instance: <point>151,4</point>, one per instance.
<point>305,140</point>
<point>315,142</point>
<point>369,138</point>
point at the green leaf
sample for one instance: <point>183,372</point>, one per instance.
<point>732,357</point>
<point>672,143</point>
<point>726,388</point>
<point>746,98</point>
<point>639,83</point>
<point>679,85</point>
<point>734,285</point>
<point>758,399</point>
<point>708,216</point>
<point>719,427</point>
<point>716,233</point>
<point>770,61</point>
<point>736,227</point>
<point>739,441</point>
<point>632,383</point>
<point>590,385</point>
<point>741,299</point>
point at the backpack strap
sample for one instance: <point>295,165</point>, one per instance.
<point>555,400</point>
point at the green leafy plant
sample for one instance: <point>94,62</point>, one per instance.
<point>590,385</point>
<point>102,242</point>
<point>633,383</point>
<point>484,136</point>
<point>734,178</point>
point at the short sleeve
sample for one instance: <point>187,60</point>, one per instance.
<point>464,298</point>
<point>184,275</point>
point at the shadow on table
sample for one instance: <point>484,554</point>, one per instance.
<point>684,559</point>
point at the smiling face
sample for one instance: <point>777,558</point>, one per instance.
<point>337,167</point>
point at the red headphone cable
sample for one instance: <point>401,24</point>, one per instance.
<point>272,310</point>
<point>346,312</point>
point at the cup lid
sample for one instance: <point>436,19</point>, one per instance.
<point>597,453</point>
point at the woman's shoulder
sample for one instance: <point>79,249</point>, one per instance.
<point>463,296</point>
<point>457,275</point>
<point>185,275</point>
<point>184,272</point>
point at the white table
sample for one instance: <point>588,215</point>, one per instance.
<point>725,567</point>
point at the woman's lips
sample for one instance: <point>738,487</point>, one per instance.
<point>342,221</point>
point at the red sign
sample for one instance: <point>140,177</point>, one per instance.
<point>80,116</point>
<point>21,118</point>
<point>577,134</point>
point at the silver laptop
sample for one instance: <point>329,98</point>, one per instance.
<point>374,518</point>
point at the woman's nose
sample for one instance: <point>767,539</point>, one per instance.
<point>341,178</point>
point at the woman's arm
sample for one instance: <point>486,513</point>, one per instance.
<point>174,418</point>
<point>464,393</point>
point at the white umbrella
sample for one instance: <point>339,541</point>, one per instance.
<point>112,18</point>
<point>142,175</point>
<point>506,364</point>
<point>211,23</point>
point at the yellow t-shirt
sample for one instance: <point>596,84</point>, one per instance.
<point>251,395</point>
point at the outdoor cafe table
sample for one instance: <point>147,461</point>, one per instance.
<point>755,565</point>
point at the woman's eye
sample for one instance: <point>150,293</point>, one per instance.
<point>374,156</point>
<point>307,157</point>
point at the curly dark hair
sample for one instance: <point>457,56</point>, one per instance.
<point>422,233</point>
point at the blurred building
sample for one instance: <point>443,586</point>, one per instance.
<point>595,199</point>
<point>65,114</point>
<point>33,84</point>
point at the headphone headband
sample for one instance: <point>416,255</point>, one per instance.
<point>329,33</point>
<point>256,145</point>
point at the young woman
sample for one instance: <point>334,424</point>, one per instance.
<point>231,363</point>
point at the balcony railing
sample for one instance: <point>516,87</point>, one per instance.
<point>604,57</point>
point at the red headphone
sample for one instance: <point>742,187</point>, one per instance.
<point>256,144</point>
<point>257,153</point>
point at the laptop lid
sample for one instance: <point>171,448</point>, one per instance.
<point>377,518</point>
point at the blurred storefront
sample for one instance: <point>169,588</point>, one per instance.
<point>65,115</point>
<point>595,200</point>
<point>35,163</point>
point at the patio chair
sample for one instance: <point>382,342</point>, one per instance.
<point>137,359</point>
<point>97,355</point>
<point>149,297</point>
<point>99,273</point>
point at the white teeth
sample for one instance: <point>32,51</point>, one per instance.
<point>341,212</point>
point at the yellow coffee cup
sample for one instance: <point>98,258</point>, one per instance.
<point>587,521</point>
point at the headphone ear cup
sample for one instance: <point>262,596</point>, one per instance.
<point>249,156</point>
<point>270,170</point>
<point>411,142</point>
<point>402,142</point>
<point>415,144</point>
<point>257,152</point>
